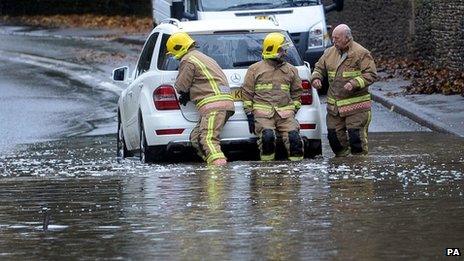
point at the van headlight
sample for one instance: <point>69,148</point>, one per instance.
<point>318,36</point>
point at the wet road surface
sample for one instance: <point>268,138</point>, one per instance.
<point>57,87</point>
<point>403,201</point>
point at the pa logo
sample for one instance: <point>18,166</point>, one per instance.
<point>453,252</point>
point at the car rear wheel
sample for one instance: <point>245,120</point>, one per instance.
<point>121,150</point>
<point>312,148</point>
<point>144,151</point>
<point>149,154</point>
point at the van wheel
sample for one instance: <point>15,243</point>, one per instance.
<point>312,148</point>
<point>121,149</point>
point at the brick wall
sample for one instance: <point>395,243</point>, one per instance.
<point>429,29</point>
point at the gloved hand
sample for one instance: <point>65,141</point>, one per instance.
<point>184,97</point>
<point>251,122</point>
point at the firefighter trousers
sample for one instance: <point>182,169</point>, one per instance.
<point>348,133</point>
<point>266,129</point>
<point>205,136</point>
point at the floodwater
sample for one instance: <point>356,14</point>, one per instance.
<point>73,198</point>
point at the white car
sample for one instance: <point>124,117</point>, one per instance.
<point>153,123</point>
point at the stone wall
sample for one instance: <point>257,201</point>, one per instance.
<point>443,31</point>
<point>382,26</point>
<point>428,29</point>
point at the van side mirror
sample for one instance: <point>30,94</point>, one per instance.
<point>120,74</point>
<point>189,16</point>
<point>177,10</point>
<point>337,5</point>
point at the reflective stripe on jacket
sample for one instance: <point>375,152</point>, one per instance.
<point>355,66</point>
<point>272,87</point>
<point>204,79</point>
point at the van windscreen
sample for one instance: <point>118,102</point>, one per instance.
<point>237,5</point>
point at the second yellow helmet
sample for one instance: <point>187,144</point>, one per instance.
<point>178,44</point>
<point>272,44</point>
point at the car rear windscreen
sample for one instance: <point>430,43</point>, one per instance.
<point>229,50</point>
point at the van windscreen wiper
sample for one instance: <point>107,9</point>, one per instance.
<point>242,6</point>
<point>297,3</point>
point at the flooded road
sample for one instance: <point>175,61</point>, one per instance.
<point>70,196</point>
<point>403,201</point>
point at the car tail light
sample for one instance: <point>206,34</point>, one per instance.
<point>165,98</point>
<point>307,126</point>
<point>306,96</point>
<point>169,131</point>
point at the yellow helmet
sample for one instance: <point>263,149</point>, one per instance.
<point>272,44</point>
<point>178,44</point>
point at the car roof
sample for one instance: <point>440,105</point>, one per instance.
<point>209,26</point>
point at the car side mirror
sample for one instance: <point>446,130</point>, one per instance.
<point>120,74</point>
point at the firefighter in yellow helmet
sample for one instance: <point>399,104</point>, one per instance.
<point>350,70</point>
<point>202,80</point>
<point>271,95</point>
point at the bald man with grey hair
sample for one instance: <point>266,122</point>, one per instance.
<point>350,69</point>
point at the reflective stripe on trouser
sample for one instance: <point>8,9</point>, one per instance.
<point>205,135</point>
<point>359,121</point>
<point>279,125</point>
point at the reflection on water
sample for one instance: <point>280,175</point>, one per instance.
<point>403,201</point>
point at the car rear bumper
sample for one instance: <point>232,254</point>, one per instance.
<point>242,133</point>
<point>235,131</point>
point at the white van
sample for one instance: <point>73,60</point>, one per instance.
<point>303,19</point>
